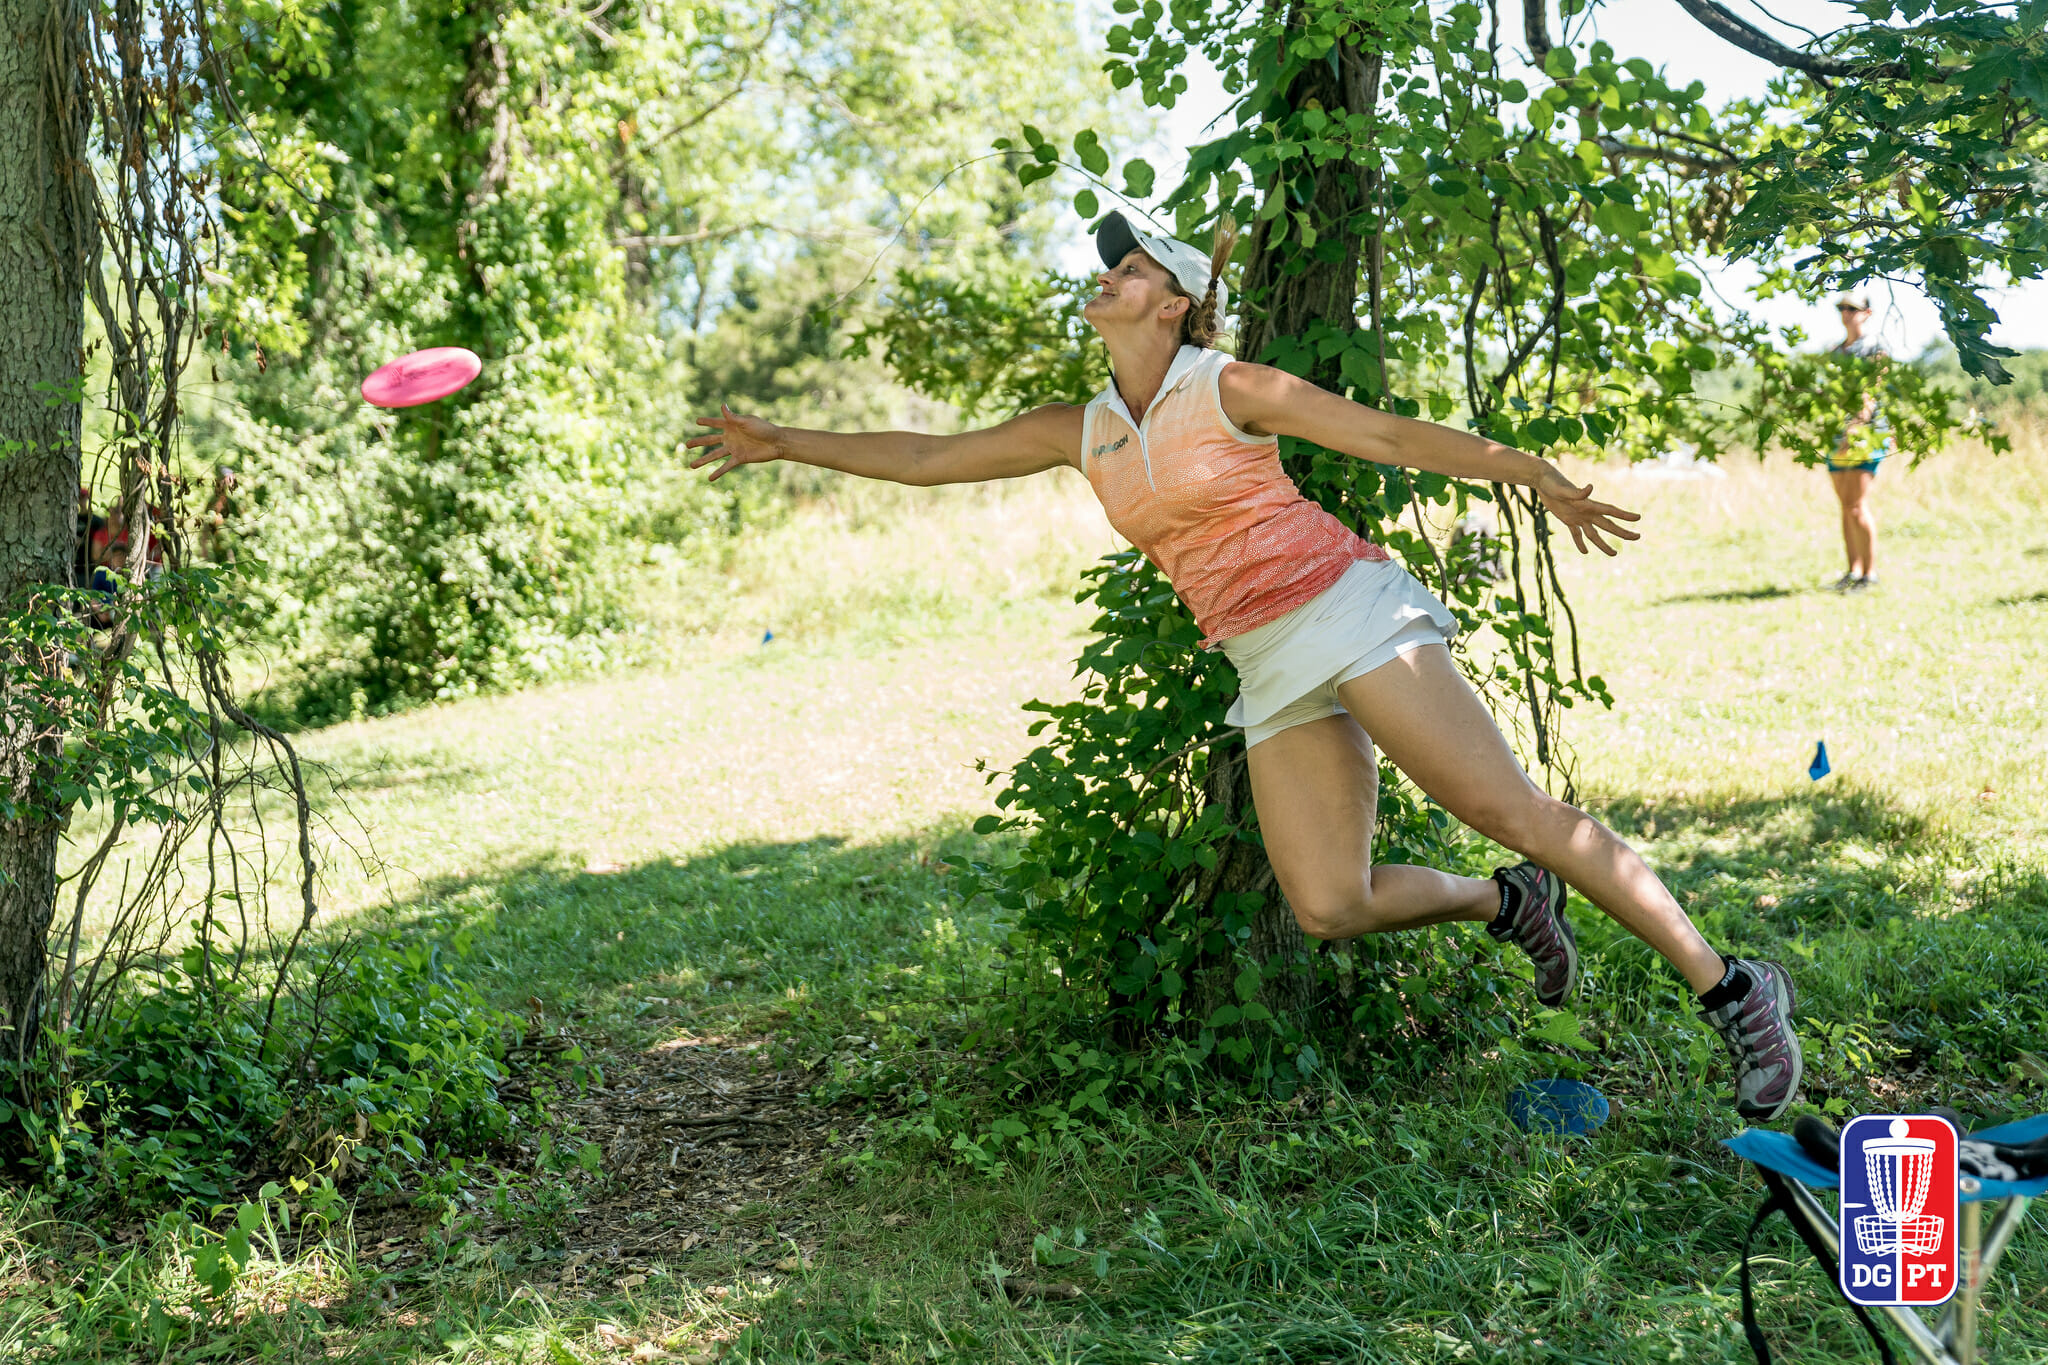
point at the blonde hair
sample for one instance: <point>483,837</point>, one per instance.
<point>1201,325</point>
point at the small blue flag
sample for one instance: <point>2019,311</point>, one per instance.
<point>1557,1106</point>
<point>1819,767</point>
<point>766,636</point>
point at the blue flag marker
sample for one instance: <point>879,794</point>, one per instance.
<point>766,636</point>
<point>1556,1106</point>
<point>1819,767</point>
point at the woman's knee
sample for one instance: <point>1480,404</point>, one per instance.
<point>1334,912</point>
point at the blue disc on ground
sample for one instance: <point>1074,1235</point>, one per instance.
<point>1556,1106</point>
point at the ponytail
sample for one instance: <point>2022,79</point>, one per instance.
<point>1201,325</point>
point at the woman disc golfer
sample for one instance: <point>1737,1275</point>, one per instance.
<point>1337,646</point>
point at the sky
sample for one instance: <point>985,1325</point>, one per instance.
<point>1667,36</point>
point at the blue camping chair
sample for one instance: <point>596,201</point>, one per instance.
<point>1792,1176</point>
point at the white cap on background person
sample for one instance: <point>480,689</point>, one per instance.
<point>1115,239</point>
<point>1860,302</point>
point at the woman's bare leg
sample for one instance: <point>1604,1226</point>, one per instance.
<point>1859,524</point>
<point>1317,790</point>
<point>1424,715</point>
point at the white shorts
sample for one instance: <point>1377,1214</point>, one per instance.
<point>1289,669</point>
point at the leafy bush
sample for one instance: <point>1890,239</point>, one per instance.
<point>377,1058</point>
<point>415,1050</point>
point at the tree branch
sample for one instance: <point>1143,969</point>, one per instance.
<point>1668,155</point>
<point>1536,29</point>
<point>1718,21</point>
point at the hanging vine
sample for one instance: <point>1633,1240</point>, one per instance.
<point>167,789</point>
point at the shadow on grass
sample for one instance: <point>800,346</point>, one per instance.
<point>1765,594</point>
<point>1400,1222</point>
<point>806,940</point>
<point>751,924</point>
<point>417,779</point>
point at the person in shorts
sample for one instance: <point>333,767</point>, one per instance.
<point>1852,468</point>
<point>1337,647</point>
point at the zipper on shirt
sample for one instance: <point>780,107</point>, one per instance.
<point>1138,427</point>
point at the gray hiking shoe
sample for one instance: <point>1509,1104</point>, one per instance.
<point>1758,1031</point>
<point>1535,923</point>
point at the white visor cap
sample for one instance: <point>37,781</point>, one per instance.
<point>1115,239</point>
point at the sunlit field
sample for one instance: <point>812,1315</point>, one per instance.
<point>1728,663</point>
<point>748,842</point>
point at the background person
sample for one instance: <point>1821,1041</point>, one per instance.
<point>1853,466</point>
<point>1336,645</point>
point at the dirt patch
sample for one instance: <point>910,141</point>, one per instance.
<point>703,1144</point>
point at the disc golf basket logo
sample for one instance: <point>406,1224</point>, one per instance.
<point>1900,1170</point>
<point>1900,1228</point>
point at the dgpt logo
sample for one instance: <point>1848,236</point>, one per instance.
<point>1898,1210</point>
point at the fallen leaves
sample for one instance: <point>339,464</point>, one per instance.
<point>700,1145</point>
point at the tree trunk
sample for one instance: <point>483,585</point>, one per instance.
<point>1286,289</point>
<point>46,239</point>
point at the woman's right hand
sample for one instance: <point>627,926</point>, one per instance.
<point>737,440</point>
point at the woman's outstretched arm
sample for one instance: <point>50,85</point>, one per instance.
<point>1263,400</point>
<point>1039,439</point>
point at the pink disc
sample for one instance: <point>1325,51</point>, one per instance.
<point>422,377</point>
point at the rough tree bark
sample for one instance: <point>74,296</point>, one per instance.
<point>46,239</point>
<point>1284,292</point>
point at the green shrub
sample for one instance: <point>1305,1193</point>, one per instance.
<point>416,1051</point>
<point>179,1089</point>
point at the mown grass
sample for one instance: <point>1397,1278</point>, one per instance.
<point>754,838</point>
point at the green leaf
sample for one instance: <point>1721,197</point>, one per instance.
<point>1088,151</point>
<point>210,1267</point>
<point>1138,177</point>
<point>1086,204</point>
<point>1560,1027</point>
<point>1246,987</point>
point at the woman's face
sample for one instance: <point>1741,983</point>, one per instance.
<point>1134,292</point>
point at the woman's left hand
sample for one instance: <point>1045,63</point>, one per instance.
<point>1574,506</point>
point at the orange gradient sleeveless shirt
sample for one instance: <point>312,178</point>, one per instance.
<point>1210,505</point>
